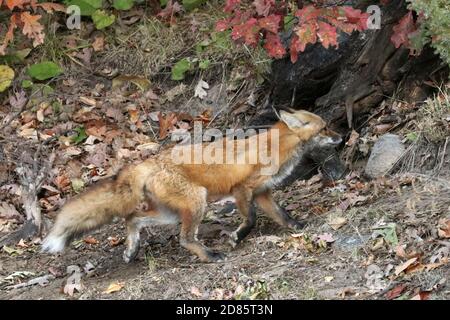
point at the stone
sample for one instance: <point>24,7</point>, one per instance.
<point>385,153</point>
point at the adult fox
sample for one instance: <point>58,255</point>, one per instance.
<point>174,191</point>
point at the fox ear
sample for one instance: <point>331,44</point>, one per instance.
<point>290,120</point>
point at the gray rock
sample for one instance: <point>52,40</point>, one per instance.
<point>385,153</point>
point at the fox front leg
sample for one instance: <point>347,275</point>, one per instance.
<point>245,207</point>
<point>133,239</point>
<point>268,205</point>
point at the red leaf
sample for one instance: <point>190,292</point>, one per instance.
<point>395,292</point>
<point>402,30</point>
<point>274,46</point>
<point>327,34</point>
<point>270,23</point>
<point>222,25</point>
<point>263,6</point>
<point>342,25</point>
<point>307,13</point>
<point>357,17</point>
<point>169,11</point>
<point>307,33</point>
<point>230,5</point>
<point>249,31</point>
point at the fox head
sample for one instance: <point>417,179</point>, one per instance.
<point>310,127</point>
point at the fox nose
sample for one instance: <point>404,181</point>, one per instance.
<point>337,140</point>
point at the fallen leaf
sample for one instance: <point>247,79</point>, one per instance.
<point>444,228</point>
<point>327,237</point>
<point>395,292</point>
<point>337,222</point>
<point>88,101</point>
<point>99,43</point>
<point>399,269</point>
<point>196,292</point>
<point>73,283</point>
<point>200,89</point>
<point>8,211</point>
<point>90,240</point>
<point>114,287</point>
<point>114,241</point>
<point>422,295</point>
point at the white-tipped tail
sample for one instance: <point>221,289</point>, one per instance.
<point>53,244</point>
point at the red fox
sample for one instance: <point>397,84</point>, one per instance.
<point>178,192</point>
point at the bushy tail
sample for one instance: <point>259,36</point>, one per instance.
<point>92,209</point>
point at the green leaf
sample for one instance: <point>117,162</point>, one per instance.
<point>288,21</point>
<point>388,233</point>
<point>192,4</point>
<point>123,4</point>
<point>412,136</point>
<point>44,70</point>
<point>163,3</point>
<point>204,64</point>
<point>6,77</point>
<point>27,84</point>
<point>87,7</point>
<point>81,135</point>
<point>103,19</point>
<point>180,68</point>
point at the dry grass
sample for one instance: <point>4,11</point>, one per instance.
<point>429,135</point>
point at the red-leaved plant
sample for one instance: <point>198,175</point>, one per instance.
<point>261,20</point>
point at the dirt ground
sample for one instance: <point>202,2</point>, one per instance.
<point>272,263</point>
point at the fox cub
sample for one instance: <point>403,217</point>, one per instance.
<point>175,191</point>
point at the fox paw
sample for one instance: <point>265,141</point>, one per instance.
<point>297,225</point>
<point>129,256</point>
<point>216,257</point>
<point>234,239</point>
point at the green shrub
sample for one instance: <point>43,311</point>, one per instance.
<point>434,25</point>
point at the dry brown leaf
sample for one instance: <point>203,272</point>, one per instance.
<point>444,228</point>
<point>423,295</point>
<point>353,138</point>
<point>73,283</point>
<point>114,241</point>
<point>88,101</point>
<point>395,292</point>
<point>337,222</point>
<point>399,269</point>
<point>90,240</point>
<point>167,124</point>
<point>99,43</point>
<point>114,287</point>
